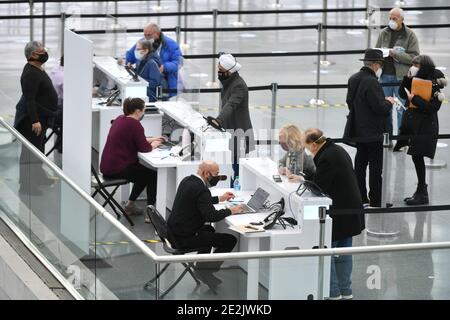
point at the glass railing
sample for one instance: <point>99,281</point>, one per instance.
<point>97,257</point>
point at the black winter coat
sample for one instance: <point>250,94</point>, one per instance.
<point>335,176</point>
<point>423,121</point>
<point>371,111</point>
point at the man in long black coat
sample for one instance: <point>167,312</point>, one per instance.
<point>370,119</point>
<point>336,178</point>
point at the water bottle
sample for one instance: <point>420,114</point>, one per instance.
<point>236,184</point>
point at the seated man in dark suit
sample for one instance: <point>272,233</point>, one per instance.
<point>193,206</point>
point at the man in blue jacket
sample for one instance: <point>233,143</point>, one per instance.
<point>168,50</point>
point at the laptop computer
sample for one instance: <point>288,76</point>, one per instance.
<point>256,202</point>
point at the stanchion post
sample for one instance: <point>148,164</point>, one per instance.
<point>240,9</point>
<point>177,31</point>
<point>273,115</point>
<point>63,26</point>
<point>319,31</point>
<point>185,20</point>
<point>31,3</point>
<point>214,46</point>
<point>384,175</point>
<point>322,219</point>
<point>44,10</point>
<point>369,29</point>
<point>324,22</point>
<point>178,21</point>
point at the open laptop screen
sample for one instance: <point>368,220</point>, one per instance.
<point>258,199</point>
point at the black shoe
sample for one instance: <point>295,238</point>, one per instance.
<point>207,278</point>
<point>420,196</point>
<point>399,145</point>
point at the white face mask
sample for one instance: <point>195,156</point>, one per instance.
<point>138,55</point>
<point>413,71</point>
<point>379,72</point>
<point>393,25</point>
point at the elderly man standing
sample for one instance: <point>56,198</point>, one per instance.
<point>371,113</point>
<point>234,113</point>
<point>403,47</point>
<point>335,176</point>
<point>37,105</point>
<point>168,50</point>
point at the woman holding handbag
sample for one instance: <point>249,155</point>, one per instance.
<point>421,121</point>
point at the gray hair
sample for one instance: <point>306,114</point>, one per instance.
<point>423,60</point>
<point>31,47</point>
<point>368,64</point>
<point>147,44</point>
<point>399,10</point>
<point>154,26</point>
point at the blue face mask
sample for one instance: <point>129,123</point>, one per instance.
<point>138,55</point>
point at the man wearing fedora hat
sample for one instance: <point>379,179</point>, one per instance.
<point>369,118</point>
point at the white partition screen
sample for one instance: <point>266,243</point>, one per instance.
<point>77,122</point>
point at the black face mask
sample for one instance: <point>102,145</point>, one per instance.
<point>222,75</point>
<point>214,180</point>
<point>156,43</point>
<point>42,58</point>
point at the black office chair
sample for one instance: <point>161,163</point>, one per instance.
<point>56,127</point>
<point>100,184</point>
<point>160,225</point>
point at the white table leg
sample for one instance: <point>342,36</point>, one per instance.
<point>161,191</point>
<point>253,271</point>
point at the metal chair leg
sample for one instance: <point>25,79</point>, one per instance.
<point>158,275</point>
<point>100,192</point>
<point>174,284</point>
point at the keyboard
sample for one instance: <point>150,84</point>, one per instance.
<point>247,209</point>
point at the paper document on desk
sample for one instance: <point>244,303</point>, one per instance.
<point>160,154</point>
<point>244,228</point>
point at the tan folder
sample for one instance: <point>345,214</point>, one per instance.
<point>422,88</point>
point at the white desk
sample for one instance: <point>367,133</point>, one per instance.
<point>171,170</point>
<point>128,87</point>
<point>286,278</point>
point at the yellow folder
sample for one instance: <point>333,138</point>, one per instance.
<point>422,88</point>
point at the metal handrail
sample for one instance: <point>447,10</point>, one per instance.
<point>221,256</point>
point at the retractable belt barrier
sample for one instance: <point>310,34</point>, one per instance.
<point>224,12</point>
<point>342,212</point>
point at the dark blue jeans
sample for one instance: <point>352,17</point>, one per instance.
<point>341,270</point>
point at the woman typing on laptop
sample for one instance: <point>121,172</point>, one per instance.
<point>126,138</point>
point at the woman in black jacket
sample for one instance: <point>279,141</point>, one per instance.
<point>421,121</point>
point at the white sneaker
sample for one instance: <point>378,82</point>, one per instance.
<point>339,297</point>
<point>347,297</point>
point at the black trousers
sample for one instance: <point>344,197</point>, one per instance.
<point>142,177</point>
<point>370,154</point>
<point>207,238</point>
<point>31,173</point>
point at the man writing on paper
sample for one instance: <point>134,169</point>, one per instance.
<point>192,208</point>
<point>335,176</point>
<point>420,119</point>
<point>403,46</point>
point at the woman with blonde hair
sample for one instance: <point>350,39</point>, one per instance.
<point>296,161</point>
